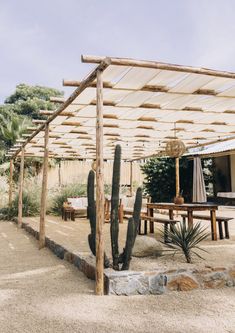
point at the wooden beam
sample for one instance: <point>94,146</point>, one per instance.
<point>99,189</point>
<point>57,99</point>
<point>131,178</point>
<point>21,183</point>
<point>20,140</point>
<point>46,112</point>
<point>177,177</point>
<point>157,65</point>
<point>11,182</point>
<point>75,83</point>
<point>85,83</point>
<point>59,173</point>
<point>38,121</point>
<point>42,235</point>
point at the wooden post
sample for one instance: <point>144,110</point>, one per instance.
<point>131,178</point>
<point>44,190</point>
<point>21,181</point>
<point>59,173</point>
<point>10,182</point>
<point>99,287</point>
<point>213,225</point>
<point>177,177</point>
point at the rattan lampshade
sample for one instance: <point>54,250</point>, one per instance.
<point>175,148</point>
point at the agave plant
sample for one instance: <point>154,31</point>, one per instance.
<point>186,239</point>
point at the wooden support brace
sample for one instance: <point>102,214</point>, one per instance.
<point>21,182</point>
<point>11,182</point>
<point>131,178</point>
<point>177,177</point>
<point>99,287</point>
<point>42,236</point>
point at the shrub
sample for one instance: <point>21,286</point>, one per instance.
<point>30,207</point>
<point>160,178</point>
<point>186,239</point>
<point>66,192</point>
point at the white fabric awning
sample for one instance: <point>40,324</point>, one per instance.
<point>145,105</point>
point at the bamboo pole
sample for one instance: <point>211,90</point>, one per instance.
<point>44,190</point>
<point>99,288</point>
<point>131,178</point>
<point>65,103</point>
<point>59,173</point>
<point>157,65</point>
<point>21,182</point>
<point>177,177</point>
<point>11,182</point>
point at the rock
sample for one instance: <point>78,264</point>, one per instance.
<point>182,283</point>
<point>215,280</point>
<point>232,273</point>
<point>147,246</point>
<point>132,285</point>
<point>157,284</point>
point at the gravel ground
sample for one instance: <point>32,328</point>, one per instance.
<point>41,293</point>
<point>73,236</point>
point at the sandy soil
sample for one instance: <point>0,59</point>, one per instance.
<point>73,235</point>
<point>41,293</point>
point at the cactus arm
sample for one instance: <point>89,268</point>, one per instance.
<point>114,220</point>
<point>91,210</point>
<point>132,230</point>
<point>130,239</point>
<point>137,208</point>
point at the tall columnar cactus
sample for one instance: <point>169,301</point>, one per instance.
<point>91,213</point>
<point>91,210</point>
<point>114,221</point>
<point>133,223</point>
<point>132,230</point>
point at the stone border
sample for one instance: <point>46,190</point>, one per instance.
<point>147,282</point>
<point>152,282</point>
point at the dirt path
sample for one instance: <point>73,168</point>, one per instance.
<point>40,293</point>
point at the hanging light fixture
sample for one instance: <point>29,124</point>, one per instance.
<point>175,147</point>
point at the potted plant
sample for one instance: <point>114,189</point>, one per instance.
<point>179,199</point>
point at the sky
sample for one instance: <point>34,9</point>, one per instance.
<point>41,42</point>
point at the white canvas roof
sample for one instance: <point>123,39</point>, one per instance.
<point>145,105</point>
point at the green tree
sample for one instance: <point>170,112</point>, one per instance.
<point>18,110</point>
<point>29,100</point>
<point>160,178</point>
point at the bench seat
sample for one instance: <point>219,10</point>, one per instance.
<point>219,219</point>
<point>151,219</point>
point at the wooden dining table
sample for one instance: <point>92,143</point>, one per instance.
<point>189,208</point>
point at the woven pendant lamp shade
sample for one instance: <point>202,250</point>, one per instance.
<point>175,148</point>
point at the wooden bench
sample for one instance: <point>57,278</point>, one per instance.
<point>151,219</point>
<point>219,219</point>
<point>68,213</point>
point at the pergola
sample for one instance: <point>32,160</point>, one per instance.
<point>140,105</point>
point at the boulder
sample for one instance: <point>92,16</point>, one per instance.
<point>147,246</point>
<point>182,282</point>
